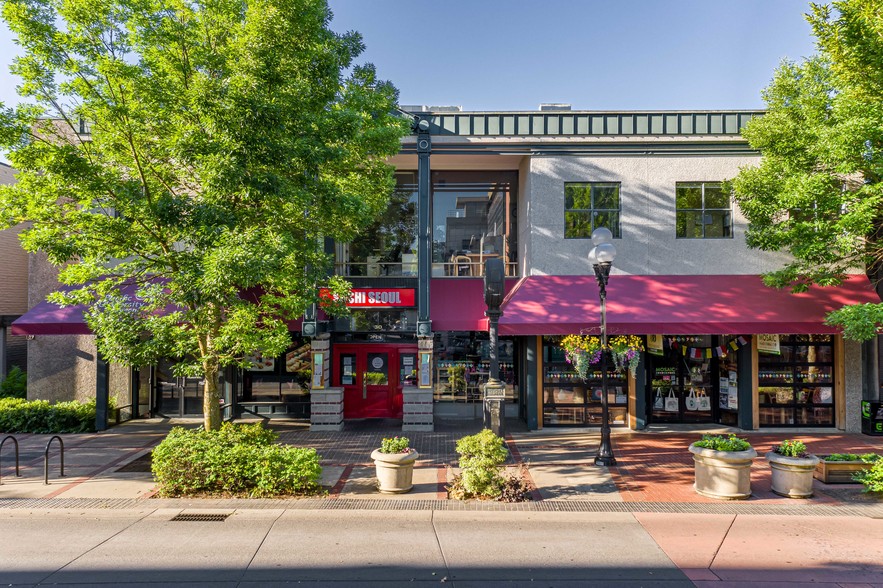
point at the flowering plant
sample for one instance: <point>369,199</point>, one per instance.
<point>581,351</point>
<point>395,445</point>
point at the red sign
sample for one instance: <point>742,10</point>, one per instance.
<point>376,297</point>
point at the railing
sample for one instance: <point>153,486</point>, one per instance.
<point>15,441</point>
<point>451,269</point>
<point>46,458</point>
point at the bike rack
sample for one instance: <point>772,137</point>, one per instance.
<point>15,442</point>
<point>46,458</point>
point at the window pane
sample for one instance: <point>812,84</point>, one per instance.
<point>689,196</point>
<point>717,224</point>
<point>608,219</point>
<point>577,225</point>
<point>689,224</point>
<point>606,196</point>
<point>715,197</point>
<point>577,196</point>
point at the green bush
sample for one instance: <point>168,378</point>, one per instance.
<point>872,477</point>
<point>15,385</point>
<point>791,448</point>
<point>394,445</point>
<point>723,443</point>
<point>865,457</point>
<point>481,456</point>
<point>234,460</point>
<point>18,415</point>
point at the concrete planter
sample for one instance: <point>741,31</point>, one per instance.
<point>395,471</point>
<point>839,472</point>
<point>723,474</point>
<point>792,476</point>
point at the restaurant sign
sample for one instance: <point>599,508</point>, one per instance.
<point>376,297</point>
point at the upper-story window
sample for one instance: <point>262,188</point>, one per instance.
<point>704,211</point>
<point>589,205</point>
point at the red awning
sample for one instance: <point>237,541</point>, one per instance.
<point>457,304</point>
<point>47,318</point>
<point>674,305</point>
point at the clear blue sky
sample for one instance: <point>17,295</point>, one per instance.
<point>594,54</point>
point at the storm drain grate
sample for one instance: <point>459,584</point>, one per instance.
<point>204,517</point>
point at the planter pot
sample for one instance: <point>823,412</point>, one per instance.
<point>792,476</point>
<point>395,471</point>
<point>839,472</point>
<point>723,474</point>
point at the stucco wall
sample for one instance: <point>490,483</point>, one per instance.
<point>648,244</point>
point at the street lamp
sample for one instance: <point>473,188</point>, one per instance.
<point>601,257</point>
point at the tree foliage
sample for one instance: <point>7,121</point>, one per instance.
<point>817,192</point>
<point>224,141</point>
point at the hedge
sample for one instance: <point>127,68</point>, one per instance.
<point>236,460</point>
<point>18,415</point>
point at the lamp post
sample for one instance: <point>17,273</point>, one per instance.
<point>601,257</point>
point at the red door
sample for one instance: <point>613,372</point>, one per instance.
<point>372,377</point>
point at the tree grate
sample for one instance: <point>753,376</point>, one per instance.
<point>200,517</point>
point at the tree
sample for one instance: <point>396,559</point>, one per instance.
<point>818,190</point>
<point>225,141</point>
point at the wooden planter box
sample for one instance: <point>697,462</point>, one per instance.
<point>838,472</point>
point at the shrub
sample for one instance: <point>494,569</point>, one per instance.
<point>15,385</point>
<point>872,478</point>
<point>723,443</point>
<point>234,460</point>
<point>865,457</point>
<point>481,456</point>
<point>39,416</point>
<point>394,445</point>
<point>791,448</point>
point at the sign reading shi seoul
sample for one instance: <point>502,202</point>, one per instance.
<point>375,297</point>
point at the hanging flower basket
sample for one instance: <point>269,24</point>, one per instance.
<point>582,351</point>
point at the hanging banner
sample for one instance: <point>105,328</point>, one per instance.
<point>654,344</point>
<point>768,344</point>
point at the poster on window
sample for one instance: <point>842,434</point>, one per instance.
<point>768,344</point>
<point>259,363</point>
<point>298,359</point>
<point>654,344</point>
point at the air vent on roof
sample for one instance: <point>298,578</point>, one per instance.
<point>554,106</point>
<point>446,109</point>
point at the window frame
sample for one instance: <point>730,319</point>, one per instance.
<point>594,212</point>
<point>727,228</point>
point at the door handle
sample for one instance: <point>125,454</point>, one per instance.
<point>364,385</point>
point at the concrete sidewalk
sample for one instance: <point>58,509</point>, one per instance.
<point>652,468</point>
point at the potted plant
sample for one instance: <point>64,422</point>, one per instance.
<point>723,466</point>
<point>841,468</point>
<point>581,351</point>
<point>394,465</point>
<point>792,469</point>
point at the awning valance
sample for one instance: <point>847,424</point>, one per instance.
<point>674,305</point>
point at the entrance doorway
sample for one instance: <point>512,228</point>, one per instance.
<point>681,389</point>
<point>175,395</point>
<point>372,377</point>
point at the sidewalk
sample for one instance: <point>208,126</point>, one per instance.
<point>652,467</point>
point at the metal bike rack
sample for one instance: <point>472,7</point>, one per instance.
<point>15,442</point>
<point>46,458</point>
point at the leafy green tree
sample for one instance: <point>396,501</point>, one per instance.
<point>225,140</point>
<point>817,192</point>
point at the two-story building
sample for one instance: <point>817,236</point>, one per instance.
<point>528,188</point>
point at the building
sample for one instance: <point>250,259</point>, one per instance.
<point>13,290</point>
<point>528,188</point>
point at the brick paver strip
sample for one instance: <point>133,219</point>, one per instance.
<point>870,510</point>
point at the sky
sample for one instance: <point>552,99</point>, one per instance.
<point>592,54</point>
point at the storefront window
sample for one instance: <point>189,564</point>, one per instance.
<point>568,400</point>
<point>462,366</point>
<point>796,381</point>
<point>285,378</point>
<point>473,219</point>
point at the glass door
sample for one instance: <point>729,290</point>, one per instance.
<point>176,395</point>
<point>681,389</point>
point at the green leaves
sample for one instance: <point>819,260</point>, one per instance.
<point>224,144</point>
<point>817,192</point>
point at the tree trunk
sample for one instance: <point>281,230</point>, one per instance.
<point>211,406</point>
